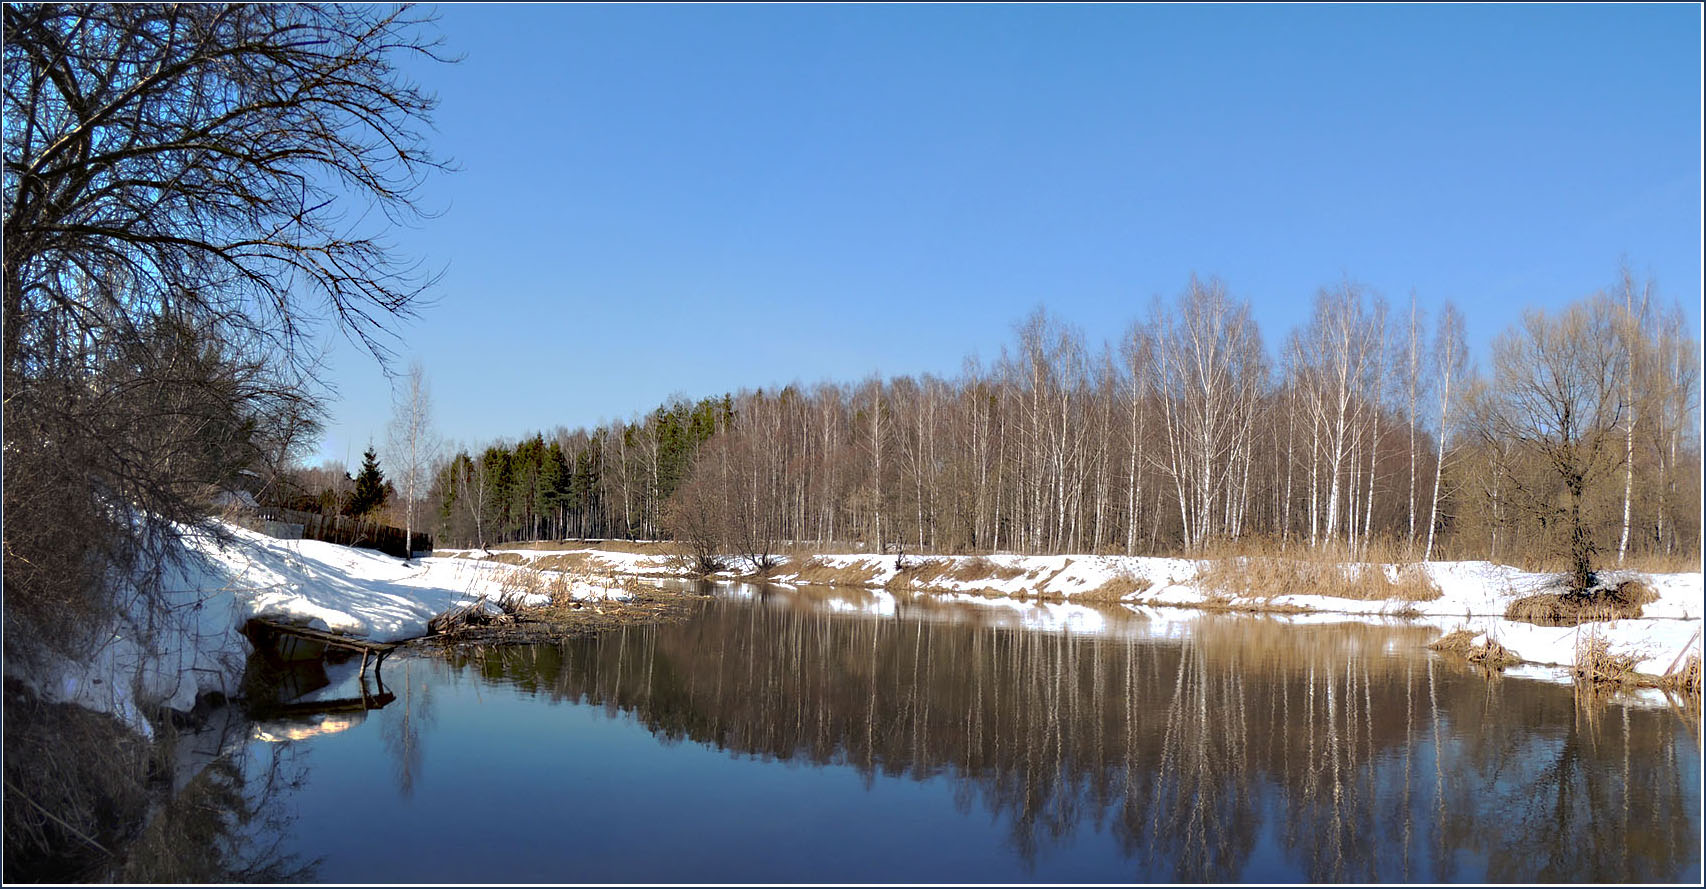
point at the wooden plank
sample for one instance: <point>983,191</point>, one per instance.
<point>310,708</point>
<point>325,637</point>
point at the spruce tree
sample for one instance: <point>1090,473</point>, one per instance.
<point>370,490</point>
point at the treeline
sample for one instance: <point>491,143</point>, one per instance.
<point>610,482</point>
<point>1366,424</point>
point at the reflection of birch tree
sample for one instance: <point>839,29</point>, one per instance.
<point>402,724</point>
<point>1202,814</point>
<point>1180,749</point>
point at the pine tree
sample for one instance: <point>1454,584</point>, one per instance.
<point>370,490</point>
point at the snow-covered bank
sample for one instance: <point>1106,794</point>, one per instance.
<point>1473,595</point>
<point>196,645</point>
<point>367,594</point>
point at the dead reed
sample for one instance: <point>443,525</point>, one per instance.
<point>1261,570</point>
<point>1685,681</point>
<point>1596,664</point>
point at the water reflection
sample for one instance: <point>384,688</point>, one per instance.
<point>1245,749</point>
<point>224,815</point>
<point>402,726</point>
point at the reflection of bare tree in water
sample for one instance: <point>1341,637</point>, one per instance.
<point>1202,815</point>
<point>227,822</point>
<point>1180,749</point>
<point>400,726</point>
<point>1594,823</point>
<point>223,827</point>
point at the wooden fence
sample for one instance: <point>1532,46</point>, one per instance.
<point>339,529</point>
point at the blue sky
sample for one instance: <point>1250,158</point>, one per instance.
<point>692,199</point>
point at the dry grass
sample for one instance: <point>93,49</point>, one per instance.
<point>928,574</point>
<point>1686,681</point>
<point>817,571</point>
<point>1461,642</point>
<point>918,574</point>
<point>1596,665</point>
<point>1663,563</point>
<point>1116,588</point>
<point>637,547</point>
<point>516,586</point>
<point>1454,642</point>
<point>1543,560</point>
<point>502,558</point>
<point>1492,654</point>
<point>1258,570</point>
<point>1572,609</point>
<point>981,568</point>
<point>577,562</point>
<point>581,562</point>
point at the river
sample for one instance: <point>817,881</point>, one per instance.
<point>788,736</point>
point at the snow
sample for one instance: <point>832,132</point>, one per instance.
<point>364,593</point>
<point>1474,595</point>
<point>196,645</point>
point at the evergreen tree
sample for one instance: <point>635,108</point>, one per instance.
<point>370,489</point>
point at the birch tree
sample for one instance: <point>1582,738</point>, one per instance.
<point>1632,337</point>
<point>1450,358</point>
<point>1206,351</point>
<point>413,444</point>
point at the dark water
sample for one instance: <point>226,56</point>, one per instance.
<point>777,739</point>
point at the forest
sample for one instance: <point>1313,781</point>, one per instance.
<point>1368,426</point>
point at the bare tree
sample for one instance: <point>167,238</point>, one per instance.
<point>1632,337</point>
<point>1208,361</point>
<point>1415,387</point>
<point>177,184</point>
<point>414,445</point>
<point>1557,395</point>
<point>1450,357</point>
<point>175,177</point>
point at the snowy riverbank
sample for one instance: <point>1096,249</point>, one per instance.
<point>378,597</point>
<point>196,646</point>
<point>1473,595</point>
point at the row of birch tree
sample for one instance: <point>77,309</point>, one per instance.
<point>1367,424</point>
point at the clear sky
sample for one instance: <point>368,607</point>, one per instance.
<point>693,199</point>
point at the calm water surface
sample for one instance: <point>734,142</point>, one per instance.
<point>800,737</point>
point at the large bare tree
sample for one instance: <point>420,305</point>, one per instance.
<point>186,185</point>
<point>1557,396</point>
<point>190,192</point>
